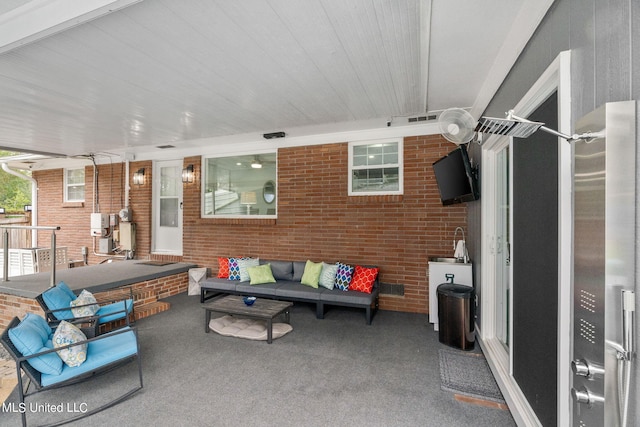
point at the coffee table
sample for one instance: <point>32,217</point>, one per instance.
<point>264,309</point>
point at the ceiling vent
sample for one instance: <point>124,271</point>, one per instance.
<point>424,118</point>
<point>164,147</point>
<point>274,135</point>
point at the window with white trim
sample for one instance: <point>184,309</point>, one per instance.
<point>237,186</point>
<point>74,185</point>
<point>375,167</point>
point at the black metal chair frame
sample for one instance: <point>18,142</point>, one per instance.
<point>89,325</point>
<point>34,377</point>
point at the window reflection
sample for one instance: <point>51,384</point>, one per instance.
<point>232,185</point>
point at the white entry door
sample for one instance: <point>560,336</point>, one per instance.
<point>167,207</point>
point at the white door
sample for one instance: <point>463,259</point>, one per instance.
<point>167,207</point>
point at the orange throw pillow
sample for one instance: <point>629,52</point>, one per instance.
<point>223,268</point>
<point>363,279</point>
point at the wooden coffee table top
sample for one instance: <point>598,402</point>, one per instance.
<point>261,309</point>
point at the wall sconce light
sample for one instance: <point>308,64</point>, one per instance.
<point>2,210</point>
<point>187,174</point>
<point>28,208</point>
<point>138,177</point>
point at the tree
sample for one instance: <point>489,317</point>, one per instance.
<point>14,191</point>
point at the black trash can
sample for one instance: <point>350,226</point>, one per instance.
<point>456,315</point>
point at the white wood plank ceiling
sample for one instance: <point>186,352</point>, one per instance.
<point>129,77</point>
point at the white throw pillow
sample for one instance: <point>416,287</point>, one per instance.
<point>65,334</point>
<point>83,299</point>
<point>244,264</point>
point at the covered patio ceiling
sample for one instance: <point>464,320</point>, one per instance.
<point>128,76</point>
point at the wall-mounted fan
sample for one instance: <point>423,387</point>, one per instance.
<point>457,125</point>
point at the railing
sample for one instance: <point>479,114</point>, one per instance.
<point>5,245</point>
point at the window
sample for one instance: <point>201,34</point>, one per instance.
<point>375,167</point>
<point>237,186</point>
<point>74,185</point>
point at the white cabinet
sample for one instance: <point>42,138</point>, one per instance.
<point>438,271</point>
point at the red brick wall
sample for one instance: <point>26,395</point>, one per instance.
<point>74,219</point>
<point>317,220</point>
<point>144,292</point>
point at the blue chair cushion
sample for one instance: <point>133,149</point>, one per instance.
<point>109,348</point>
<point>28,339</point>
<point>40,324</point>
<point>116,308</point>
<point>63,286</point>
<point>56,298</point>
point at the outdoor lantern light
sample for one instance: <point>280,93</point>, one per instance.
<point>138,177</point>
<point>187,174</point>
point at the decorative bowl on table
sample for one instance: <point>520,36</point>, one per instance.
<point>249,300</point>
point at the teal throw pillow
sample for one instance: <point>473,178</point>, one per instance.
<point>261,274</point>
<point>311,274</point>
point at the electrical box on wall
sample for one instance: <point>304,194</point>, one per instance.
<point>128,236</point>
<point>99,224</point>
<point>105,246</point>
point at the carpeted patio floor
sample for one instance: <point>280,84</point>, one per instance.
<point>337,371</point>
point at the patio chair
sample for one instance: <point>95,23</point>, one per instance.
<point>56,304</point>
<point>29,342</point>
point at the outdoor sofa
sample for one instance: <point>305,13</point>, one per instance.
<point>289,278</point>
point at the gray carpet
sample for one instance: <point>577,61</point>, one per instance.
<point>337,371</point>
<point>468,374</point>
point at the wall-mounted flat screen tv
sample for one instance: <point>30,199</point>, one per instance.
<point>456,178</point>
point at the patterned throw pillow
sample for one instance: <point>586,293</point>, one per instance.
<point>223,268</point>
<point>328,275</point>
<point>363,279</point>
<point>343,276</point>
<point>234,268</point>
<point>244,264</point>
<point>86,305</point>
<point>65,334</point>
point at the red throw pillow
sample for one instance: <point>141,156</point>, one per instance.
<point>363,278</point>
<point>223,268</point>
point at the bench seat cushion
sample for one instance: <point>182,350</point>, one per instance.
<point>266,289</point>
<point>116,308</point>
<point>347,297</point>
<point>111,348</point>
<point>298,291</point>
<point>222,285</point>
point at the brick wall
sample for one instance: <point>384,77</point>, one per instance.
<point>317,220</point>
<point>147,291</point>
<point>74,218</point>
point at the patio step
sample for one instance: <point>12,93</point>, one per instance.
<point>152,308</point>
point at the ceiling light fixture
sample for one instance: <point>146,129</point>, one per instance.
<point>256,164</point>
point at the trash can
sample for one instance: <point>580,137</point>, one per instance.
<point>456,315</point>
